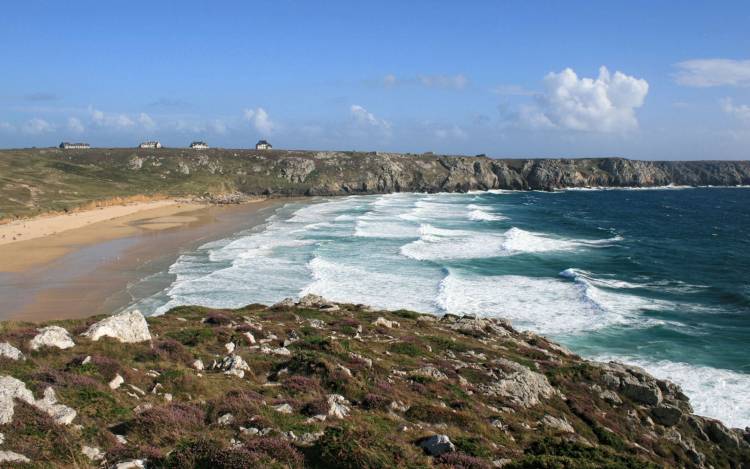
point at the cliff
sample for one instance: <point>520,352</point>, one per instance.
<point>324,385</point>
<point>42,180</point>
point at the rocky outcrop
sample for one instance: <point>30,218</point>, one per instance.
<point>128,327</point>
<point>52,336</point>
<point>523,387</point>
<point>12,389</point>
<point>10,352</point>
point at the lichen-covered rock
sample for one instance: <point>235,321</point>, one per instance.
<point>128,327</point>
<point>429,372</point>
<point>13,457</point>
<point>559,424</point>
<point>436,445</point>
<point>52,336</point>
<point>666,414</point>
<point>92,452</point>
<point>234,365</point>
<point>383,322</point>
<point>61,413</point>
<point>480,327</point>
<point>12,389</point>
<point>520,385</point>
<point>338,406</point>
<point>9,351</point>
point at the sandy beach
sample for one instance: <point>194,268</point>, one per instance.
<point>79,264</point>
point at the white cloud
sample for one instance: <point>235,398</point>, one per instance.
<point>7,127</point>
<point>119,121</point>
<point>741,111</point>
<point>364,118</point>
<point>389,80</point>
<point>260,120</point>
<point>218,127</point>
<point>444,81</point>
<point>512,90</point>
<point>454,133</point>
<point>604,104</point>
<point>75,125</point>
<point>146,121</point>
<point>713,72</point>
<point>430,81</point>
<point>37,126</point>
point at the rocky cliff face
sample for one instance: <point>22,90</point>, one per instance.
<point>33,181</point>
<point>316,384</point>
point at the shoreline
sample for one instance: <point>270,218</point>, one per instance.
<point>88,270</point>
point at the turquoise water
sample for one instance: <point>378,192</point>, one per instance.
<point>659,278</point>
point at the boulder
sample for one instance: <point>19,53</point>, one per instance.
<point>429,372</point>
<point>9,351</point>
<point>131,464</point>
<point>641,391</point>
<point>198,364</point>
<point>12,389</point>
<point>283,408</point>
<point>234,365</point>
<point>226,419</point>
<point>116,382</point>
<point>338,406</point>
<point>62,414</point>
<point>12,457</point>
<point>436,445</point>
<point>479,327</point>
<point>522,386</point>
<point>128,327</point>
<point>92,452</point>
<point>52,336</point>
<point>666,414</point>
<point>559,424</point>
<point>383,322</point>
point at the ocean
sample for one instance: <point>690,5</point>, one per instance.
<point>659,278</point>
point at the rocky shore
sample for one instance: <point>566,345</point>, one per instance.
<point>42,180</point>
<point>312,383</point>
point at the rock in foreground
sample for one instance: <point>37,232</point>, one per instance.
<point>350,390</point>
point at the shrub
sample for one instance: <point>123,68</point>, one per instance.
<point>315,407</point>
<point>356,448</point>
<point>191,336</point>
<point>171,350</point>
<point>375,402</point>
<point>298,384</point>
<point>216,318</point>
<point>242,404</point>
<point>166,424</point>
<point>462,461</point>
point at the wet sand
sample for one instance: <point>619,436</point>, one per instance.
<point>88,270</point>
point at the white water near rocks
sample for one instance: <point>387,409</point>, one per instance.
<point>476,253</point>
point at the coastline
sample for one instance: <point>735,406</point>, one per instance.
<point>88,269</point>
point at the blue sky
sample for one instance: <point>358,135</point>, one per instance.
<point>509,79</point>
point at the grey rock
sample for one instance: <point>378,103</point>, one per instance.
<point>436,445</point>
<point>52,336</point>
<point>667,415</point>
<point>128,327</point>
<point>9,351</point>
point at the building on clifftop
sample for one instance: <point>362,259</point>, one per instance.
<point>150,144</point>
<point>263,145</point>
<point>74,146</point>
<point>198,145</point>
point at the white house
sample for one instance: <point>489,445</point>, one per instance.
<point>150,144</point>
<point>263,145</point>
<point>74,146</point>
<point>198,145</point>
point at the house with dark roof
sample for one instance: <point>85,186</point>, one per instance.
<point>263,145</point>
<point>74,146</point>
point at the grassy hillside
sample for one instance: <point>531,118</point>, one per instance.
<point>326,385</point>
